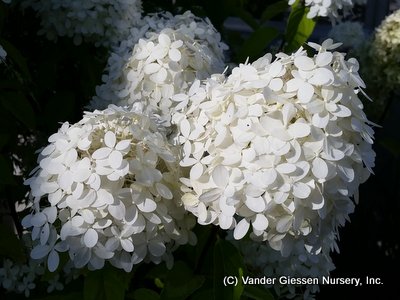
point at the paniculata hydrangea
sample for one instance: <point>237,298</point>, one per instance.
<point>106,190</point>
<point>329,8</point>
<point>176,51</point>
<point>385,53</point>
<point>106,22</point>
<point>277,147</point>
<point>350,34</point>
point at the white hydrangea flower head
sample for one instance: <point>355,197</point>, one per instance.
<point>276,146</point>
<point>329,8</point>
<point>106,190</point>
<point>385,52</point>
<point>350,34</point>
<point>176,51</point>
<point>106,22</point>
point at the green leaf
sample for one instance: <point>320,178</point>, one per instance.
<point>299,28</point>
<point>115,283</point>
<point>227,262</point>
<point>106,284</point>
<point>11,246</point>
<point>203,234</point>
<point>254,46</point>
<point>181,282</point>
<point>17,104</point>
<point>93,286</point>
<point>16,56</point>
<point>203,294</point>
<point>274,10</point>
<point>238,289</point>
<point>145,294</point>
<point>257,293</point>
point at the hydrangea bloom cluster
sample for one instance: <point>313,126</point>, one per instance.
<point>350,34</point>
<point>105,190</point>
<point>106,22</point>
<point>385,52</point>
<point>329,8</point>
<point>176,51</point>
<point>277,146</point>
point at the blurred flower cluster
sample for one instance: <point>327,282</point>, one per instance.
<point>385,52</point>
<point>351,35</point>
<point>20,277</point>
<point>329,8</point>
<point>106,22</point>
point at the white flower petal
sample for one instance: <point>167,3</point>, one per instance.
<point>127,245</point>
<point>52,261</point>
<point>304,63</point>
<point>241,229</point>
<point>256,204</point>
<point>319,168</point>
<point>157,248</point>
<point>220,176</point>
<point>44,234</point>
<point>110,139</point>
<point>148,205</point>
<point>101,153</point>
<point>174,54</point>
<point>38,219</point>
<point>151,68</point>
<point>164,191</point>
<point>324,58</point>
<point>286,168</point>
<point>90,238</point>
<point>299,130</point>
<point>305,93</point>
<point>284,223</point>
<point>115,159</point>
<point>301,190</point>
<point>123,146</point>
<point>196,171</point>
<point>322,76</point>
<point>40,251</point>
<point>260,222</point>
